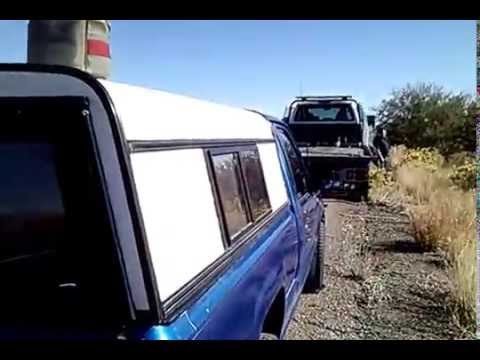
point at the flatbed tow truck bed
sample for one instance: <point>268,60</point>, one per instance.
<point>322,151</point>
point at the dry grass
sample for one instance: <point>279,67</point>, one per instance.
<point>442,213</point>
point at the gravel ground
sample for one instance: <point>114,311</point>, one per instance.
<point>379,284</point>
<point>478,200</point>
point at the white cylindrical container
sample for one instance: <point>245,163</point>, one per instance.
<point>98,60</point>
<point>82,44</point>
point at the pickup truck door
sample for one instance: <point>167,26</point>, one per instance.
<point>306,206</point>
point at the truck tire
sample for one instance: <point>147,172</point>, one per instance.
<point>384,148</point>
<point>315,279</point>
<point>268,336</point>
<point>360,195</point>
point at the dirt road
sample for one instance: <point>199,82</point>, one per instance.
<point>379,284</point>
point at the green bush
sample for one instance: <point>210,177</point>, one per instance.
<point>427,116</point>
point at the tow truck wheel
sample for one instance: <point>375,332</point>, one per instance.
<point>357,196</point>
<point>360,195</point>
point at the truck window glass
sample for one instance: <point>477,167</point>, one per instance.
<point>32,215</point>
<point>255,183</point>
<point>325,113</point>
<point>361,113</point>
<point>296,165</point>
<point>225,167</point>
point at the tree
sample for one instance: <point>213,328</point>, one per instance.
<point>426,115</point>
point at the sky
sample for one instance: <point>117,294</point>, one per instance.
<point>263,64</point>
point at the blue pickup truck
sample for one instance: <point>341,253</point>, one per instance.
<point>136,214</point>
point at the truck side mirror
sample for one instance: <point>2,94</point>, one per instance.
<point>371,120</point>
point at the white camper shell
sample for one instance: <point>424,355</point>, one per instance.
<point>154,140</point>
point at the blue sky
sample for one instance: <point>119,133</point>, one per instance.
<point>263,64</point>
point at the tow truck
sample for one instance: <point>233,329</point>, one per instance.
<point>335,138</point>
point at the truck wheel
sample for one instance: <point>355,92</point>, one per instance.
<point>356,196</point>
<point>268,336</point>
<point>384,147</point>
<point>314,282</point>
<point>360,195</point>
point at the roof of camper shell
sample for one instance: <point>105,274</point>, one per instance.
<point>148,114</point>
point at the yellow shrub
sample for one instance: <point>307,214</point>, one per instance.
<point>444,219</point>
<point>379,177</point>
<point>420,183</point>
<point>464,273</point>
<point>429,159</point>
<point>464,176</point>
<point>440,200</point>
<point>447,222</point>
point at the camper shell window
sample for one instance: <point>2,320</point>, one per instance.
<point>255,183</point>
<point>58,261</point>
<point>231,205</point>
<point>240,189</point>
<point>226,169</point>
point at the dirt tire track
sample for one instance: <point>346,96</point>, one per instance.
<point>379,284</point>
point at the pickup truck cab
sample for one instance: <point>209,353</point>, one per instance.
<point>131,213</point>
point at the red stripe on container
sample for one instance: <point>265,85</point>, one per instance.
<point>98,48</point>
